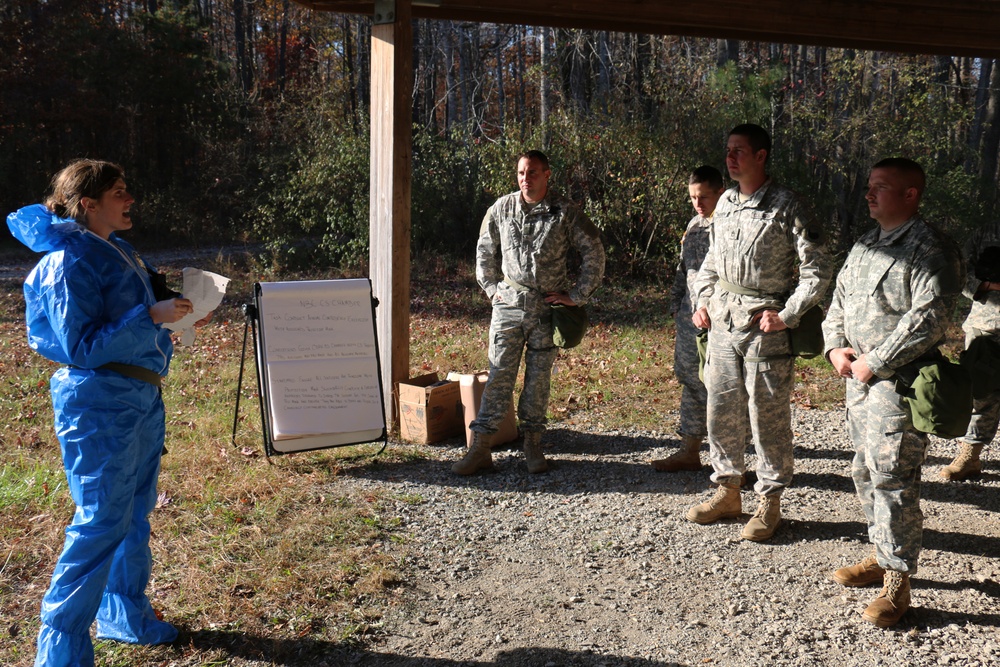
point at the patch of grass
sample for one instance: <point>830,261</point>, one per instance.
<point>411,498</point>
<point>621,376</point>
<point>27,485</point>
<point>247,554</point>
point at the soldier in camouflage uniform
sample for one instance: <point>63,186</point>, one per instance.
<point>704,188</point>
<point>749,291</point>
<point>982,257</point>
<point>889,313</point>
<point>521,259</point>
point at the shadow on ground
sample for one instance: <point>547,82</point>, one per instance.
<point>307,652</point>
<point>604,475</point>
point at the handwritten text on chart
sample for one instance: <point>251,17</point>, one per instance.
<point>319,317</point>
<point>328,392</point>
<point>321,350</point>
<point>321,355</point>
<point>329,303</point>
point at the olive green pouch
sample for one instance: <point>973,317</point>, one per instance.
<point>807,339</point>
<point>569,324</point>
<point>939,397</point>
<point>701,341</point>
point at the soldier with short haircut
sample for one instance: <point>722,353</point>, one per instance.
<point>521,263</point>
<point>767,264</point>
<point>705,186</point>
<point>891,307</point>
<point>982,257</point>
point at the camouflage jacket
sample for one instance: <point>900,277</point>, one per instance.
<point>985,313</point>
<point>895,295</point>
<point>530,244</point>
<point>754,245</point>
<point>694,247</point>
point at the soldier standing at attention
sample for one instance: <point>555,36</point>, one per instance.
<point>704,187</point>
<point>521,264</point>
<point>890,309</point>
<point>982,258</point>
<point>749,291</point>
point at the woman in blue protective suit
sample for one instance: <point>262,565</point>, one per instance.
<point>91,306</point>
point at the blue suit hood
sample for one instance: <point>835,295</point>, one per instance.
<point>40,229</point>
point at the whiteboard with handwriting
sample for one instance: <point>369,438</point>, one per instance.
<point>318,363</point>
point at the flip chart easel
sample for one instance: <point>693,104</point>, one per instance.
<point>318,367</point>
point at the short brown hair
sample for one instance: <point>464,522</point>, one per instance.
<point>706,174</point>
<point>534,155</point>
<point>757,137</point>
<point>908,169</point>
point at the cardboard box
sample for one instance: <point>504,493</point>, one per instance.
<point>472,385</point>
<point>429,410</point>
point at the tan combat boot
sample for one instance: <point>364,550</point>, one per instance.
<point>533,452</point>
<point>478,457</point>
<point>764,521</point>
<point>864,573</point>
<point>725,504</point>
<point>966,463</point>
<point>686,458</point>
<point>890,605</point>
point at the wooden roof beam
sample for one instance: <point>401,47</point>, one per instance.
<point>939,27</point>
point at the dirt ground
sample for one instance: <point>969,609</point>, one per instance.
<point>594,564</point>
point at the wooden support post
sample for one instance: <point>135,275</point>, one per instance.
<point>391,171</point>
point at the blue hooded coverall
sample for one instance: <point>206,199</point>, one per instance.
<point>87,304</point>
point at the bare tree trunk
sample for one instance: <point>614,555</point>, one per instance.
<point>603,73</point>
<point>820,53</point>
<point>644,55</point>
<point>501,83</point>
<point>242,56</point>
<point>464,76</point>
<point>451,79</point>
<point>352,91</point>
<point>425,70</point>
<point>574,68</point>
<point>419,70</point>
<point>991,133</point>
<point>727,50</point>
<point>283,46</point>
<point>477,75</point>
<point>364,37</point>
<point>942,69</point>
<point>546,56</point>
<point>986,66</point>
<point>522,93</point>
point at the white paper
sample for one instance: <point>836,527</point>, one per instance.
<point>321,363</point>
<point>205,291</point>
<point>312,396</point>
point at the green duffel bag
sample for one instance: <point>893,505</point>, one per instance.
<point>701,341</point>
<point>940,398</point>
<point>807,338</point>
<point>569,324</point>
<point>982,361</point>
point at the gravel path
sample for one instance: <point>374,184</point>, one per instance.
<point>594,563</point>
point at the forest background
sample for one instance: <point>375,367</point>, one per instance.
<point>247,121</point>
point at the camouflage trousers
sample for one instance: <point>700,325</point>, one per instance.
<point>749,380</point>
<point>985,418</point>
<point>985,413</point>
<point>521,325</point>
<point>693,393</point>
<point>888,453</point>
